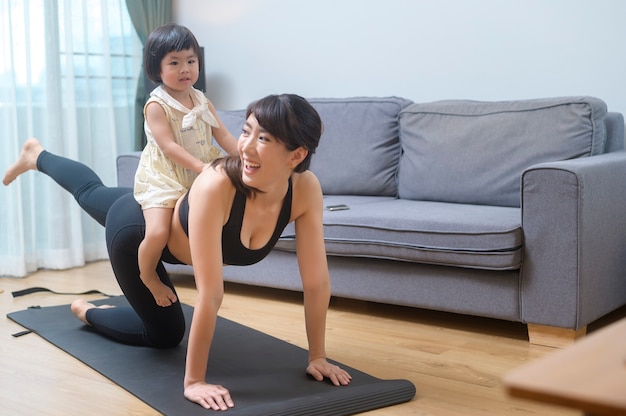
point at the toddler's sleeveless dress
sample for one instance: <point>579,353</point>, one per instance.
<point>159,182</point>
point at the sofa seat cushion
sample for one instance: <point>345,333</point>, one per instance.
<point>474,152</point>
<point>461,235</point>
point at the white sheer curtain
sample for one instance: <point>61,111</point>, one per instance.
<point>68,74</point>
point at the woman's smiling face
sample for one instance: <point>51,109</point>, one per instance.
<point>264,157</point>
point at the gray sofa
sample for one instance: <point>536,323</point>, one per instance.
<point>513,210</point>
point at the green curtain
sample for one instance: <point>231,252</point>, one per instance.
<point>146,16</point>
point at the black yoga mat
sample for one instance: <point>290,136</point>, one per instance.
<point>264,375</point>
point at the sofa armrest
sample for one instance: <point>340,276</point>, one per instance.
<point>126,167</point>
<point>574,223</point>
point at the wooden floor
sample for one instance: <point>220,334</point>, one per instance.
<point>455,362</point>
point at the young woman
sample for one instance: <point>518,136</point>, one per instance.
<point>179,124</point>
<point>233,214</point>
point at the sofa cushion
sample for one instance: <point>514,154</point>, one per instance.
<point>233,120</point>
<point>126,167</point>
<point>471,236</point>
<point>475,152</point>
<point>360,148</point>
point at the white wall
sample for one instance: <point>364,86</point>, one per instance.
<point>421,50</point>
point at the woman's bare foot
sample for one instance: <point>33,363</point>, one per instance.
<point>25,162</point>
<point>80,307</point>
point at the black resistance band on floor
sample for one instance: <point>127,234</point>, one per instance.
<point>264,375</point>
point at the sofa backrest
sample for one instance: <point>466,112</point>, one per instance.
<point>614,132</point>
<point>475,152</point>
<point>233,120</point>
<point>359,150</point>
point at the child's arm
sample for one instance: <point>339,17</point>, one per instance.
<point>164,137</point>
<point>224,138</point>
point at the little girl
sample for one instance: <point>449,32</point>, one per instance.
<point>179,124</point>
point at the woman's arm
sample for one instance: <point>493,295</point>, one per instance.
<point>224,138</point>
<point>209,202</point>
<point>315,277</point>
<point>164,137</point>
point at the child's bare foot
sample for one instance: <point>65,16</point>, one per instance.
<point>80,307</point>
<point>25,162</point>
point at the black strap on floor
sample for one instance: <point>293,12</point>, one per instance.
<point>43,289</point>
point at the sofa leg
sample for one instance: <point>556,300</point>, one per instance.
<point>552,336</point>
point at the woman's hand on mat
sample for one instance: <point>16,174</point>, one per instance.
<point>319,368</point>
<point>209,396</point>
<point>163,295</point>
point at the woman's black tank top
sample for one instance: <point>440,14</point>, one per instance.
<point>233,251</point>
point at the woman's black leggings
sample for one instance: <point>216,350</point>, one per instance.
<point>145,323</point>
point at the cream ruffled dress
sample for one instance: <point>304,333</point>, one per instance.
<point>159,182</point>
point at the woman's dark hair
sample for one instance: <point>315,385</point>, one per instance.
<point>291,120</point>
<point>163,40</point>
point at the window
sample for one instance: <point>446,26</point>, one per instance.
<point>68,76</point>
